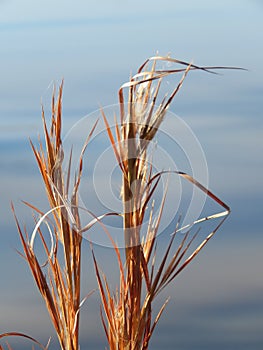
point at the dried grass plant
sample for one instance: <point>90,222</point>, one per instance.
<point>127,312</point>
<point>58,279</point>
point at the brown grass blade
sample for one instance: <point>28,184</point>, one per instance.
<point>18,334</point>
<point>103,297</point>
<point>111,139</point>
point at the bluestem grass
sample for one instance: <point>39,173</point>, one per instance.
<point>128,320</point>
<point>127,312</point>
<point>60,288</point>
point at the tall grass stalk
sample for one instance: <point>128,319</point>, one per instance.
<point>59,278</point>
<point>128,316</point>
